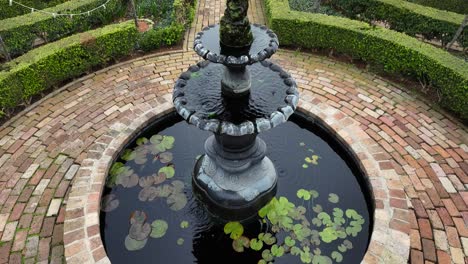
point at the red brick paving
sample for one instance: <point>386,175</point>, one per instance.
<point>42,147</point>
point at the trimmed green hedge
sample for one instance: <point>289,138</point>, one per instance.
<point>20,32</point>
<point>406,17</point>
<point>16,10</point>
<point>51,64</point>
<point>397,52</point>
<point>457,6</point>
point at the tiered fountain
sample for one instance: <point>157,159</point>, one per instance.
<point>234,179</point>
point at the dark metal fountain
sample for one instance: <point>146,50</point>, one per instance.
<point>236,94</point>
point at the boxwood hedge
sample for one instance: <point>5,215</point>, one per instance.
<point>16,10</point>
<point>395,51</point>
<point>407,17</point>
<point>457,6</point>
<point>19,33</point>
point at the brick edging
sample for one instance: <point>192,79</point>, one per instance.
<point>389,243</point>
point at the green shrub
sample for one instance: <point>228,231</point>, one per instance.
<point>457,6</point>
<point>396,52</point>
<point>20,32</point>
<point>406,17</point>
<point>54,63</point>
<point>16,10</point>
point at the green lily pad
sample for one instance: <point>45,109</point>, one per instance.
<point>177,201</point>
<point>333,198</point>
<point>277,251</point>
<point>240,244</point>
<point>314,193</point>
<point>138,217</point>
<point>156,139</point>
<point>139,231</point>
<point>168,171</point>
<point>147,194</point>
<point>158,228</point>
<point>133,245</point>
<point>163,190</point>
<point>168,142</point>
<point>348,244</point>
<point>295,251</point>
<point>256,244</point>
<point>317,208</point>
<point>306,257</point>
<point>321,260</point>
<point>180,241</point>
<point>234,229</point>
<point>184,224</point>
<point>128,155</point>
<point>266,255</point>
<point>337,256</point>
<point>305,166</point>
<point>109,203</point>
<point>178,186</point>
<point>262,261</point>
<point>146,181</point>
<point>328,235</point>
<point>289,241</point>
<point>268,238</point>
<point>303,194</point>
<point>165,157</point>
<point>142,141</point>
<point>129,182</point>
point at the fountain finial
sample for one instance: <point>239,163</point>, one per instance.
<point>235,26</point>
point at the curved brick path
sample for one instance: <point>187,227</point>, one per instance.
<point>41,149</point>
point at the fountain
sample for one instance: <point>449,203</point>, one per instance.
<point>204,190</point>
<point>235,178</point>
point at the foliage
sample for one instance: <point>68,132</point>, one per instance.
<point>308,6</point>
<point>16,10</point>
<point>19,33</point>
<point>396,52</point>
<point>407,17</point>
<point>457,6</point>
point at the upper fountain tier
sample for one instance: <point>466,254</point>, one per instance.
<point>207,44</point>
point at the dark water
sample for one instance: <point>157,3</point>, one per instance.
<point>202,95</point>
<point>204,239</point>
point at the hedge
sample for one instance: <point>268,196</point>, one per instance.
<point>51,64</point>
<point>406,17</point>
<point>20,32</point>
<point>396,52</point>
<point>16,10</point>
<point>457,6</point>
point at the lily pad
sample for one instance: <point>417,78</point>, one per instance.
<point>178,186</point>
<point>128,155</point>
<point>303,194</point>
<point>177,201</point>
<point>138,217</point>
<point>142,141</point>
<point>158,228</point>
<point>184,224</point>
<point>159,178</point>
<point>146,181</point>
<point>234,229</point>
<point>133,244</point>
<point>156,139</point>
<point>109,203</point>
<point>289,241</point>
<point>333,198</point>
<point>268,238</point>
<point>240,244</point>
<point>140,155</point>
<point>277,251</point>
<point>266,255</point>
<point>163,190</point>
<point>256,244</point>
<point>139,231</point>
<point>148,194</point>
<point>129,182</point>
<point>168,171</point>
<point>165,157</point>
<point>180,241</point>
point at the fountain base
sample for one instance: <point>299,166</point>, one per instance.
<point>234,183</point>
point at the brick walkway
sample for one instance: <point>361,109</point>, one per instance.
<point>422,149</point>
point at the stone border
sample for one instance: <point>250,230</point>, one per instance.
<point>262,55</point>
<point>389,242</point>
<point>215,125</point>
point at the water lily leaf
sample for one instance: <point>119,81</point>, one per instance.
<point>305,166</point>
<point>109,203</point>
<point>277,251</point>
<point>239,244</point>
<point>328,235</point>
<point>353,230</point>
<point>129,182</point>
<point>184,224</point>
<point>342,248</point>
<point>333,198</point>
<point>235,229</point>
<point>351,213</point>
<point>163,190</point>
<point>302,144</point>
<point>289,241</point>
<point>256,244</point>
<point>140,156</point>
<point>128,154</point>
<point>303,194</point>
<point>317,208</point>
<point>138,217</point>
<point>317,251</point>
<point>168,171</point>
<point>180,241</point>
<point>306,257</point>
<point>156,139</point>
<point>326,220</point>
<point>158,178</point>
<point>348,244</point>
<point>167,142</point>
<point>269,239</point>
<point>266,255</point>
<point>165,157</point>
<point>337,256</point>
<point>262,261</point>
<point>139,231</point>
<point>146,181</point>
<point>321,260</point>
<point>147,194</point>
<point>158,228</point>
<point>314,193</point>
<point>122,173</point>
<point>337,212</point>
<point>177,201</point>
<point>141,141</point>
<point>178,186</point>
<point>295,251</point>
<point>133,244</point>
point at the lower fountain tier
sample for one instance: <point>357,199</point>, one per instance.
<point>234,179</point>
<point>199,99</point>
